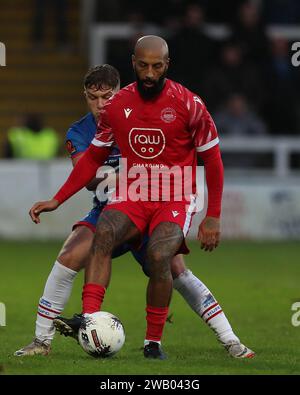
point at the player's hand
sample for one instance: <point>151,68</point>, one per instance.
<point>209,233</point>
<point>41,207</point>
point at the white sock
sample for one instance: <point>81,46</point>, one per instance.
<point>56,294</point>
<point>201,300</point>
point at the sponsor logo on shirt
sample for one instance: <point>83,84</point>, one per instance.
<point>168,115</point>
<point>147,143</point>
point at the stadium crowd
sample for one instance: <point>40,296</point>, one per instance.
<point>245,62</point>
<point>223,51</point>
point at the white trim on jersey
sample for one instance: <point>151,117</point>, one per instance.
<point>99,143</point>
<point>209,145</point>
<point>188,217</point>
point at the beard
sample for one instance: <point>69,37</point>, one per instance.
<point>151,91</point>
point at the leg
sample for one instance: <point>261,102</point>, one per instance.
<point>201,300</point>
<point>58,288</point>
<point>164,242</point>
<point>113,228</point>
<point>75,250</point>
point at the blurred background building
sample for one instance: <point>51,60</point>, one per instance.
<point>235,54</point>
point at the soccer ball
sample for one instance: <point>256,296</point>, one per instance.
<point>102,334</point>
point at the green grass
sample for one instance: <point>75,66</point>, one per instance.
<point>255,283</point>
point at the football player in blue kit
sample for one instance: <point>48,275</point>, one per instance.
<point>100,83</point>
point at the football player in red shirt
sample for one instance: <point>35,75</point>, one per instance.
<point>157,123</point>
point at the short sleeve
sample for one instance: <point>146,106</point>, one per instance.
<point>74,143</point>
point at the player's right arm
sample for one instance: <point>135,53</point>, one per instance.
<point>84,171</point>
<point>81,175</point>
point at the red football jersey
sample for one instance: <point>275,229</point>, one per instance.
<point>154,135</point>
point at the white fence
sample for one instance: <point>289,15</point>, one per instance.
<point>282,148</point>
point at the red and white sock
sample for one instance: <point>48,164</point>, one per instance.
<point>55,296</point>
<point>92,297</point>
<point>156,318</point>
<point>202,301</point>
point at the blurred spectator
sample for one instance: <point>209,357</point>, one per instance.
<point>118,10</point>
<point>42,10</point>
<point>32,140</point>
<point>108,11</point>
<point>192,52</point>
<point>283,88</point>
<point>221,11</point>
<point>281,11</point>
<point>237,119</point>
<point>249,32</point>
<point>233,74</point>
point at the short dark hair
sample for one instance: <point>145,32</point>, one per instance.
<point>102,76</point>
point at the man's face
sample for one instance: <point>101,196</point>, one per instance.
<point>97,97</point>
<point>150,69</point>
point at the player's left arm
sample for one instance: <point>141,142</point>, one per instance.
<point>206,141</point>
<point>92,185</point>
<point>209,229</point>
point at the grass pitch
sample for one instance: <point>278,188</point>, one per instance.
<point>255,283</point>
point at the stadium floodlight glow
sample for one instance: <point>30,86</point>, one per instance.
<point>2,54</point>
<point>2,314</point>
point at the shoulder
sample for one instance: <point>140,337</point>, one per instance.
<point>121,97</point>
<point>184,95</point>
<point>80,127</point>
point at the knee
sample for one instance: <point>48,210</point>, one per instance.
<point>156,255</point>
<point>177,266</point>
<point>69,259</point>
<point>158,262</point>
